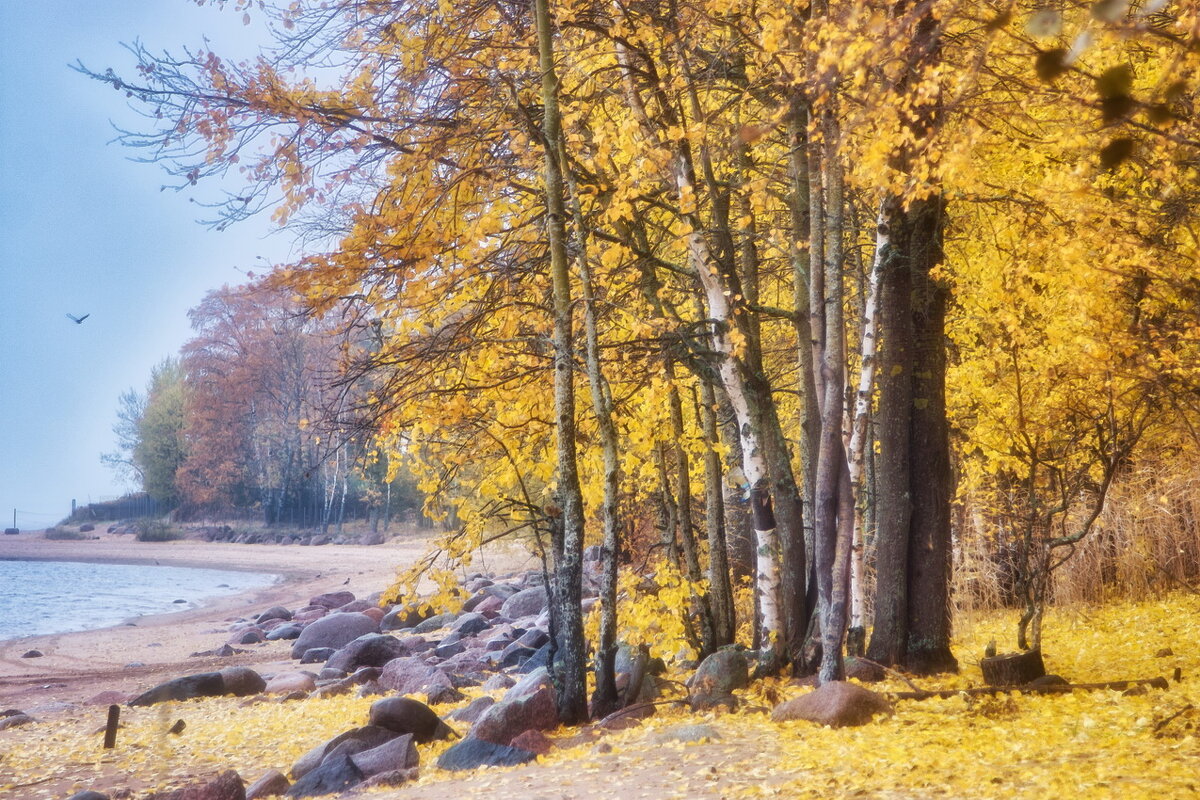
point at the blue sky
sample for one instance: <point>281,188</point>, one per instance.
<point>84,230</point>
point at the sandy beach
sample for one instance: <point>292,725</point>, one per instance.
<point>77,666</point>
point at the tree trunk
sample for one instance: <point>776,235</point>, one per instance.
<point>720,590</point>
<point>569,668</point>
<point>928,644</point>
<point>890,628</point>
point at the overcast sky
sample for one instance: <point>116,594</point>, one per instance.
<point>84,230</point>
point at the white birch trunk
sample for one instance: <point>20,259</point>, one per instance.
<point>862,415</point>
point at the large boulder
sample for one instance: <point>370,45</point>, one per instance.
<point>403,715</point>
<point>413,676</point>
<point>836,704</point>
<point>525,603</point>
<point>371,650</point>
<point>335,774</point>
<point>242,681</point>
<point>226,786</point>
<point>334,630</point>
<point>472,711</point>
<point>530,705</point>
<point>352,741</point>
<point>204,684</point>
<point>470,624</point>
<point>288,682</point>
<point>434,623</point>
<point>332,600</point>
<point>273,613</point>
<point>269,785</point>
<point>716,679</point>
<point>471,753</point>
<point>399,753</point>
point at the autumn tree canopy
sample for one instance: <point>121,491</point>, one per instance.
<point>680,277</point>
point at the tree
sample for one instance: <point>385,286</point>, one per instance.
<point>161,449</point>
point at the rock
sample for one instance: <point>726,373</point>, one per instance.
<point>700,732</point>
<point>473,711</point>
<point>274,612</point>
<point>336,630</point>
<point>402,617</point>
<point>403,715</point>
<point>470,624</point>
<point>864,671</point>
<point>87,527</point>
<point>270,785</point>
<point>489,606</point>
<point>248,636</point>
<point>449,649</point>
<point>88,794</point>
<point>524,603</point>
<point>534,741</point>
<point>836,704</point>
<point>316,655</point>
<point>437,695</point>
<point>352,741</point>
<point>371,650</point>
<point>242,681</point>
<point>395,777</point>
<point>226,786</point>
<point>539,660</point>
<point>332,600</point>
<point>374,612</point>
<point>32,654</point>
<point>204,684</point>
<point>411,675</point>
<point>471,753</point>
<point>288,682</point>
<point>1164,653</point>
<point>530,705</point>
<point>498,681</point>
<point>355,605</point>
<point>716,679</point>
<point>284,632</point>
<point>14,721</point>
<point>434,623</point>
<point>399,753</point>
<point>336,773</point>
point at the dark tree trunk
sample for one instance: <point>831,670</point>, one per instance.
<point>928,646</point>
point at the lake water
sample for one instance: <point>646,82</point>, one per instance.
<point>42,597</point>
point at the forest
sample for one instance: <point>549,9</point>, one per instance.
<point>836,317</point>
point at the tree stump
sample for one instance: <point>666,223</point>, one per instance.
<point>1013,669</point>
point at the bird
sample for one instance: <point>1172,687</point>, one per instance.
<point>78,320</point>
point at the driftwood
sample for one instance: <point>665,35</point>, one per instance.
<point>1060,688</point>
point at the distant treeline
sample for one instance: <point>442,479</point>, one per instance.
<point>246,423</point>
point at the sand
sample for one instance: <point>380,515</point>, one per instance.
<point>77,666</point>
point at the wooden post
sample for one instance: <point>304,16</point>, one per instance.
<point>110,730</point>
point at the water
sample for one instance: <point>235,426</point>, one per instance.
<point>42,597</point>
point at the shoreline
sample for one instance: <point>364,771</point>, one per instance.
<point>147,650</point>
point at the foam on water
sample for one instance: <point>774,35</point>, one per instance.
<point>43,597</point>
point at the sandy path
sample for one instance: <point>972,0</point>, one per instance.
<point>76,666</point>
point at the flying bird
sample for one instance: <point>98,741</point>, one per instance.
<point>77,320</point>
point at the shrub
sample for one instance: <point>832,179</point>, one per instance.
<point>155,530</point>
<point>61,534</point>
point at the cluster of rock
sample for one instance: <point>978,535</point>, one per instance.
<point>499,641</point>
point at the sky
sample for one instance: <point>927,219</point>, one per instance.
<point>85,230</point>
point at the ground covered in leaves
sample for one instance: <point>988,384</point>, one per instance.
<point>1099,744</point>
